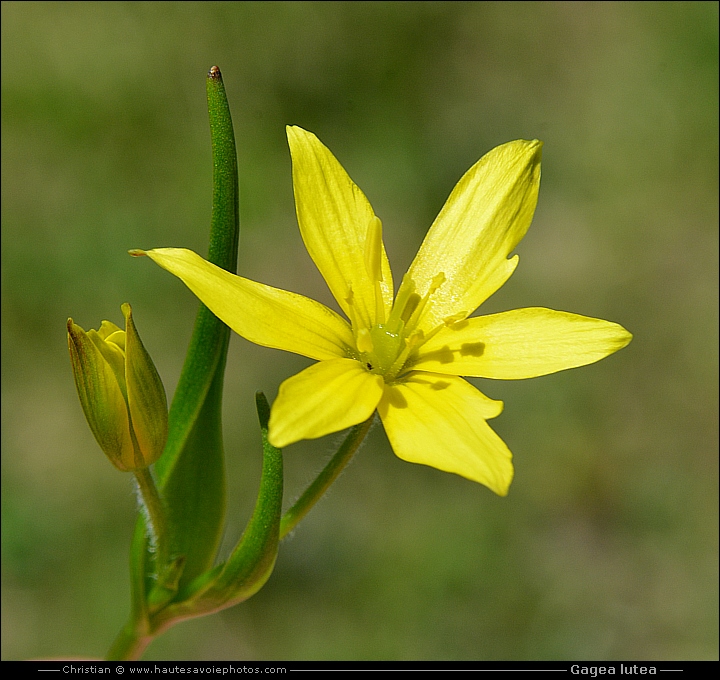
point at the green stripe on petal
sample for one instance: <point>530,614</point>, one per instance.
<point>262,314</point>
<point>334,218</point>
<point>147,402</point>
<point>324,398</point>
<point>485,217</point>
<point>522,343</point>
<point>440,421</point>
<point>101,398</point>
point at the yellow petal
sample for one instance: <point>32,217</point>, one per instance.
<point>440,421</point>
<point>522,343</point>
<point>485,217</point>
<point>112,353</point>
<point>264,315</point>
<point>108,328</point>
<point>327,397</point>
<point>334,218</point>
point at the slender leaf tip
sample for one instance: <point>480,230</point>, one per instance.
<point>263,409</point>
<point>136,252</point>
<point>214,73</point>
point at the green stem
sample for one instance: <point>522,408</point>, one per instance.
<point>128,645</point>
<point>329,474</point>
<point>133,638</point>
<point>157,517</point>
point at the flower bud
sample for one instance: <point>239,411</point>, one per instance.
<point>120,391</point>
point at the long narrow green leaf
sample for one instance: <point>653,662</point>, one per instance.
<point>251,562</point>
<point>190,473</point>
<point>253,559</point>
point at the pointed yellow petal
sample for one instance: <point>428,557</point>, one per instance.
<point>334,218</point>
<point>112,352</point>
<point>440,421</point>
<point>485,217</point>
<point>327,397</point>
<point>108,328</point>
<point>264,315</point>
<point>522,343</point>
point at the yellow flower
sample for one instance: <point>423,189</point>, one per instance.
<point>403,355</point>
<point>120,392</point>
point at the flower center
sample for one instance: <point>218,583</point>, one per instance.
<point>386,345</point>
<point>379,348</point>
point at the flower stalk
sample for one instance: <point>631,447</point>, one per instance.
<point>156,515</point>
<point>327,476</point>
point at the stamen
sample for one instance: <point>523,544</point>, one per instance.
<point>435,283</point>
<point>352,311</point>
<point>373,265</point>
<point>364,341</point>
<point>414,340</point>
<point>373,250</point>
<point>448,322</point>
<point>410,306</point>
<point>407,290</point>
<point>452,320</point>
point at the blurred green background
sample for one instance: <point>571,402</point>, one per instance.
<point>606,547</point>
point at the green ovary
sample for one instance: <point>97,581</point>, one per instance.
<point>386,347</point>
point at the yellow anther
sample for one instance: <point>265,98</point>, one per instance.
<point>436,282</point>
<point>364,341</point>
<point>373,250</point>
<point>413,318</point>
<point>407,288</point>
<point>416,339</point>
<point>373,265</point>
<point>352,311</point>
<point>411,304</point>
<point>450,320</point>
